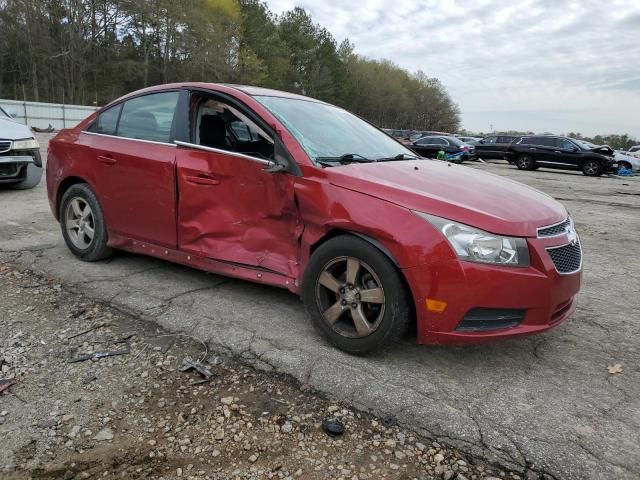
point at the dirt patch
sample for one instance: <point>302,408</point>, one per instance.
<point>136,415</point>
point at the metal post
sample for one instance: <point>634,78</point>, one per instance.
<point>64,120</point>
<point>24,106</point>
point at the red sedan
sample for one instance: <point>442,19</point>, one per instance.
<point>286,190</point>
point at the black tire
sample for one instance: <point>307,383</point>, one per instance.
<point>391,315</point>
<point>96,249</point>
<point>592,168</point>
<point>525,162</point>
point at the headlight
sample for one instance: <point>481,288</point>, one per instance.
<point>476,245</point>
<point>26,144</point>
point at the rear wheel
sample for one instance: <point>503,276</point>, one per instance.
<point>82,223</point>
<point>355,296</point>
<point>592,168</point>
<point>525,162</point>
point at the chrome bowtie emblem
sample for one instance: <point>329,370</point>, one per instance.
<point>572,235</point>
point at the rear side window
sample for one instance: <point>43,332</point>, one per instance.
<point>148,117</point>
<point>108,121</point>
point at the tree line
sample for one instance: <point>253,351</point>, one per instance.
<point>92,51</point>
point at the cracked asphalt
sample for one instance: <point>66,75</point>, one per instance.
<point>543,405</point>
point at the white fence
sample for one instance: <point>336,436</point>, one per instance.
<point>41,115</point>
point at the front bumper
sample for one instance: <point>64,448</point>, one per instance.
<point>546,297</point>
<point>16,166</point>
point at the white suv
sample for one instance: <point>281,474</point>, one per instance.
<point>20,162</point>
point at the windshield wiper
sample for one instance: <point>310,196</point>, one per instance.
<point>342,159</point>
<point>400,156</point>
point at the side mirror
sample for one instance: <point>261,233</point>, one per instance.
<point>481,141</point>
<point>574,149</point>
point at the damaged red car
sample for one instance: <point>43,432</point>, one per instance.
<point>289,191</point>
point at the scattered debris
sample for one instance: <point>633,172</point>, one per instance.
<point>6,383</point>
<point>104,435</point>
<point>90,377</point>
<point>613,369</point>
<point>189,364</point>
<point>88,330</point>
<point>390,421</point>
<point>333,428</point>
<point>98,355</point>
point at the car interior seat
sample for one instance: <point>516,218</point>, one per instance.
<point>213,131</point>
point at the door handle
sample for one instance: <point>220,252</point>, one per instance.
<point>202,180</point>
<point>107,159</point>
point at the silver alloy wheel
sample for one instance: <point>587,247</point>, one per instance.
<point>525,162</point>
<point>350,296</point>
<point>591,168</point>
<point>80,223</point>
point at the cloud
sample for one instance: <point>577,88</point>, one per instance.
<point>546,65</point>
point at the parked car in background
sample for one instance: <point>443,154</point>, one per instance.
<point>20,162</point>
<point>627,161</point>
<point>469,140</point>
<point>534,151</point>
<point>373,238</point>
<point>634,151</point>
<point>400,134</point>
<point>429,146</point>
<point>493,146</point>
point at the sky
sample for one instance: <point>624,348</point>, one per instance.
<point>532,65</point>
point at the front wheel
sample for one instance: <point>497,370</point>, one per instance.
<point>592,168</point>
<point>525,162</point>
<point>82,222</point>
<point>355,296</point>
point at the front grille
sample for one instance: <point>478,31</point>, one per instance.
<point>567,259</point>
<point>554,230</point>
<point>479,319</point>
<point>5,145</point>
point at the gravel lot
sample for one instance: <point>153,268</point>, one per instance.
<point>544,405</point>
<point>137,416</point>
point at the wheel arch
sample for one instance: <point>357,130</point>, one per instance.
<point>336,232</point>
<point>65,185</point>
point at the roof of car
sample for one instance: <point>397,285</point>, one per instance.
<point>246,89</point>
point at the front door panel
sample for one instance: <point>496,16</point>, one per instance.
<point>230,209</point>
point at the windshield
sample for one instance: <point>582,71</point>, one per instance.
<point>325,131</point>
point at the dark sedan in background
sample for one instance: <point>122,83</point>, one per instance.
<point>493,146</point>
<point>429,146</point>
<point>535,151</point>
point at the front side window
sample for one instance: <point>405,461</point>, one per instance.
<point>325,131</point>
<point>108,121</point>
<point>490,140</point>
<point>148,117</point>
<point>220,125</point>
<point>567,144</point>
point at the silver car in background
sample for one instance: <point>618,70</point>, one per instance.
<point>20,161</point>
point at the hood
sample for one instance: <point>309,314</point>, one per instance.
<point>12,130</point>
<point>466,195</point>
<point>602,150</point>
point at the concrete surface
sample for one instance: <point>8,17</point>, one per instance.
<point>544,404</point>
